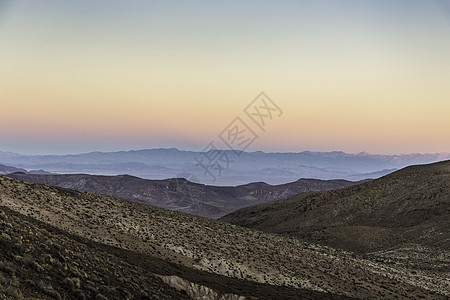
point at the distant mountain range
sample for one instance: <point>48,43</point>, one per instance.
<point>8,169</point>
<point>182,195</point>
<point>411,205</point>
<point>231,169</point>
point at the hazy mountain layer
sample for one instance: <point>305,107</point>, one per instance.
<point>231,169</point>
<point>8,169</point>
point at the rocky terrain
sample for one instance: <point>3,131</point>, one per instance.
<point>410,206</point>
<point>228,251</point>
<point>39,261</point>
<point>182,195</point>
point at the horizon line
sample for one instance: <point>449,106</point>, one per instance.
<point>230,150</point>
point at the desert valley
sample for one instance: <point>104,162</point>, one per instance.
<point>224,150</point>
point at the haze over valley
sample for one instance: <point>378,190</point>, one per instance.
<point>247,167</point>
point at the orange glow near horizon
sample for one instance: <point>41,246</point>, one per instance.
<point>362,80</point>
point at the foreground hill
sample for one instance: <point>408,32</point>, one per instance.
<point>182,195</point>
<point>409,206</point>
<point>40,261</point>
<point>242,255</point>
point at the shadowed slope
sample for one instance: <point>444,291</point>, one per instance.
<point>409,206</point>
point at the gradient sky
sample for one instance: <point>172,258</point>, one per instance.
<point>78,76</point>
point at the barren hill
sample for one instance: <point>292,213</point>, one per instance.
<point>409,206</point>
<point>182,195</point>
<point>39,261</point>
<point>221,249</point>
<point>43,262</point>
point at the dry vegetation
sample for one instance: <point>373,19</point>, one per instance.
<point>221,248</point>
<point>41,262</point>
<point>409,206</point>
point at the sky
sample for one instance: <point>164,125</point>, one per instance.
<point>353,76</point>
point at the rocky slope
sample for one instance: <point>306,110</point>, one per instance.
<point>182,195</point>
<point>39,261</point>
<point>42,262</point>
<point>409,206</point>
<point>218,248</point>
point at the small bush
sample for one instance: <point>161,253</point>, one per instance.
<point>48,289</point>
<point>100,297</point>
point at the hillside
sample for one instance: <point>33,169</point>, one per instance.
<point>242,255</point>
<point>409,206</point>
<point>40,261</point>
<point>182,195</point>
